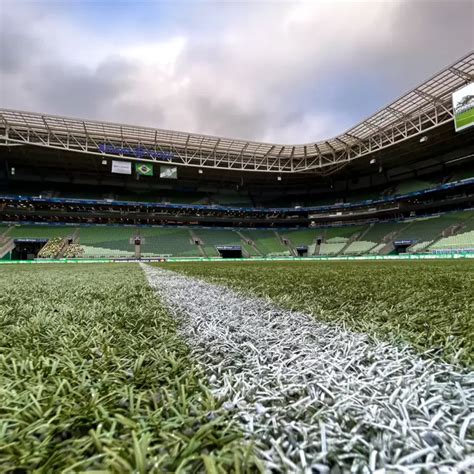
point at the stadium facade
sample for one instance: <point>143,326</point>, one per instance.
<point>401,180</point>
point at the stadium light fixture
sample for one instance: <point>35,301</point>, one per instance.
<point>104,161</point>
<point>200,171</point>
<point>278,178</point>
<point>423,139</point>
<point>12,171</point>
<point>372,161</point>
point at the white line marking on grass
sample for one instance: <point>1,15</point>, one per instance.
<point>313,396</point>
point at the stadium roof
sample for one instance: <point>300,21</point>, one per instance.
<point>422,109</point>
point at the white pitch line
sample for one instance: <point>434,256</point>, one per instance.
<point>314,396</point>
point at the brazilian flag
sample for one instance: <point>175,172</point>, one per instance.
<point>144,169</point>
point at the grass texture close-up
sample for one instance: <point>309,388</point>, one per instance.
<point>94,377</point>
<point>429,305</point>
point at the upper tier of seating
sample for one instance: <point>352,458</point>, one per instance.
<point>411,186</point>
<point>247,198</point>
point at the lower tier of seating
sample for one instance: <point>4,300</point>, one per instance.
<point>461,241</point>
<point>212,238</point>
<point>267,242</point>
<point>452,231</point>
<point>359,247</point>
<point>106,241</point>
<point>174,242</point>
<point>331,248</point>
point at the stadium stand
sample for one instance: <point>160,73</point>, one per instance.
<point>159,241</point>
<point>463,239</point>
<point>211,238</point>
<point>424,232</point>
<point>341,234</point>
<point>377,249</point>
<point>3,230</point>
<point>375,238</point>
<point>267,242</point>
<point>235,200</point>
<point>73,251</point>
<point>362,196</point>
<point>39,232</point>
<point>106,241</point>
<point>383,230</point>
<point>412,186</point>
<point>450,231</point>
<point>184,198</point>
<point>52,248</point>
<point>164,196</point>
<point>331,248</point>
<point>336,239</point>
<point>301,237</point>
<point>359,247</point>
<point>464,173</point>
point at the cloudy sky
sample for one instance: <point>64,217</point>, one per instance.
<point>283,71</point>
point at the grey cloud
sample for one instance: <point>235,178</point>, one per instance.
<point>220,117</point>
<point>16,48</point>
<point>75,90</point>
<point>346,75</point>
<point>249,78</point>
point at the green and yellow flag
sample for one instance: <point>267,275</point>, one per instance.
<point>144,169</point>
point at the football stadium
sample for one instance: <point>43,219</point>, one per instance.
<point>397,184</point>
<point>182,302</point>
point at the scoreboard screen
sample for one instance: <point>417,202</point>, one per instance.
<point>463,107</point>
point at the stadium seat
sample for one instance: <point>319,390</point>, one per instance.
<point>266,242</point>
<point>106,241</point>
<point>160,241</point>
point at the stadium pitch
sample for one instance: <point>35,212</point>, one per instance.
<point>464,119</point>
<point>239,367</point>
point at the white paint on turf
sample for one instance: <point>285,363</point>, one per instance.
<point>316,398</point>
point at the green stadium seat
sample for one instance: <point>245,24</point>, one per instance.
<point>359,247</point>
<point>161,241</point>
<point>266,242</point>
<point>212,238</point>
<point>107,241</point>
<point>331,248</point>
<point>302,237</point>
<point>39,231</point>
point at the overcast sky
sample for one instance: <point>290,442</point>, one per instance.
<point>282,71</point>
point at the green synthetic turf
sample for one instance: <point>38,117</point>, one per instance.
<point>94,377</point>
<point>465,118</point>
<point>428,304</point>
